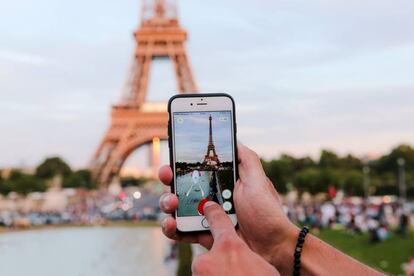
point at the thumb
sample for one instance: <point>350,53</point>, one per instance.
<point>250,167</point>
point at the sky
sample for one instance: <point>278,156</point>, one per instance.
<point>191,133</point>
<point>305,75</point>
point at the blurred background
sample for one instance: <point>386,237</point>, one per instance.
<point>323,91</point>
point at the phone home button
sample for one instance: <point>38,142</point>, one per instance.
<point>204,223</point>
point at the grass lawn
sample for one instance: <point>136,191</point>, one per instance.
<point>386,256</point>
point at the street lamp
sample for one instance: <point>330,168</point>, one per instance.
<point>365,170</point>
<point>401,178</point>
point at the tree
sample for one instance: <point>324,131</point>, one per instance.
<point>51,167</point>
<point>384,183</point>
<point>308,180</point>
<point>303,163</point>
<point>353,183</point>
<point>331,177</point>
<point>389,162</point>
<point>24,183</point>
<point>279,173</point>
<point>79,179</point>
<point>4,186</point>
<point>329,159</point>
<point>342,172</point>
<point>133,181</point>
<point>351,162</point>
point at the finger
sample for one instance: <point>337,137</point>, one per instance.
<point>219,222</point>
<point>169,228</point>
<point>250,167</point>
<point>165,174</point>
<point>247,156</point>
<point>168,203</point>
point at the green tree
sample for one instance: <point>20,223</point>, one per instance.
<point>303,163</point>
<point>330,177</point>
<point>79,179</point>
<point>316,180</point>
<point>384,183</point>
<point>51,167</point>
<point>389,162</point>
<point>4,185</point>
<point>329,159</point>
<point>24,183</point>
<point>279,172</point>
<point>342,172</point>
<point>133,181</point>
<point>353,183</point>
<point>308,180</point>
<point>284,170</point>
<point>351,162</point>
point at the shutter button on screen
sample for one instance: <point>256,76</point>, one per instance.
<point>204,223</point>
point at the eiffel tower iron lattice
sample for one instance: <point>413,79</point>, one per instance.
<point>135,122</point>
<point>211,157</point>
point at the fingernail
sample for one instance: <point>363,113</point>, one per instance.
<point>208,204</point>
<point>166,201</point>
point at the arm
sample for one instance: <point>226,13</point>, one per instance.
<point>318,258</point>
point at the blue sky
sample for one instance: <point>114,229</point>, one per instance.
<point>305,75</point>
<point>191,132</point>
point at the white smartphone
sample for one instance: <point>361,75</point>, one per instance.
<point>203,156</point>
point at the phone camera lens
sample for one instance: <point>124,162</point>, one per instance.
<point>191,104</point>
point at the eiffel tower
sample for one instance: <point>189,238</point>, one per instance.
<point>135,122</point>
<point>211,157</point>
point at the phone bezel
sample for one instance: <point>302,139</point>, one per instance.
<point>198,103</point>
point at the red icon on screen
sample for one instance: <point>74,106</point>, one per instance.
<point>201,205</point>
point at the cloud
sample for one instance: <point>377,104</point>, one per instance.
<point>304,74</point>
<point>24,58</point>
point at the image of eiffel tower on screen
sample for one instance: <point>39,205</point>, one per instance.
<point>204,160</point>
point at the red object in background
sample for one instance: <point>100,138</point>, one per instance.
<point>332,192</point>
<point>122,195</point>
<point>201,205</point>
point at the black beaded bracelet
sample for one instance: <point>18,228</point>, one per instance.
<point>298,250</point>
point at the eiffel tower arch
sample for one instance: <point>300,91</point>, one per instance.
<point>134,121</point>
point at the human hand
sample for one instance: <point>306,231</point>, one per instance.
<point>262,222</point>
<point>229,254</point>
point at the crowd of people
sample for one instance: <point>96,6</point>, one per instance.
<point>85,208</point>
<point>380,217</point>
<point>357,216</point>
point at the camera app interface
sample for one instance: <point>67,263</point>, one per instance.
<point>203,160</point>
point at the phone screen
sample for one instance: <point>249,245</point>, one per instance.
<point>204,160</point>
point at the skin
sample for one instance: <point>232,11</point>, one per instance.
<point>263,226</point>
<point>229,254</point>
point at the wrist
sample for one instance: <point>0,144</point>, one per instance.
<point>282,253</point>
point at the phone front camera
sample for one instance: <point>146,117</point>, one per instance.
<point>191,104</point>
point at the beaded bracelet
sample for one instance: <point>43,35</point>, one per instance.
<point>298,250</point>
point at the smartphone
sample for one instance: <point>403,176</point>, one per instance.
<point>203,156</point>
